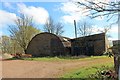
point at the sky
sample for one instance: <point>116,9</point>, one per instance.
<point>61,11</point>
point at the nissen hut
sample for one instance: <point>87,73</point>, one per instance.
<point>47,44</point>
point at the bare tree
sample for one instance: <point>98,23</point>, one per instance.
<point>105,30</point>
<point>5,44</point>
<point>23,30</point>
<point>9,45</point>
<point>49,25</point>
<point>59,29</point>
<point>101,8</point>
<point>52,27</point>
<point>85,29</point>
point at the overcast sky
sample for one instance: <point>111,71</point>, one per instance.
<point>64,12</point>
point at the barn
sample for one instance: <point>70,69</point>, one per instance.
<point>47,44</point>
<point>95,44</point>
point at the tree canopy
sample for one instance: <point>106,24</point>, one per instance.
<point>23,30</point>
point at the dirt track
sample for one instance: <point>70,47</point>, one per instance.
<point>44,69</point>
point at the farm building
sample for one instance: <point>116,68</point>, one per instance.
<point>47,44</point>
<point>89,45</point>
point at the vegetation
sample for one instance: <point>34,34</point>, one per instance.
<point>9,45</point>
<point>52,27</point>
<point>5,44</point>
<point>64,58</point>
<point>101,8</point>
<point>85,28</point>
<point>23,31</point>
<point>86,72</point>
<point>104,72</point>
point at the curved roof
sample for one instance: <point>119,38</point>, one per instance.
<point>66,41</point>
<point>45,44</point>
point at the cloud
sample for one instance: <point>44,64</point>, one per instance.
<point>113,32</point>
<point>39,14</point>
<point>72,12</point>
<point>112,39</point>
<point>114,29</point>
<point>8,5</point>
<point>7,18</point>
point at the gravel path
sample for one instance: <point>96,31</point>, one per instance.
<point>44,69</point>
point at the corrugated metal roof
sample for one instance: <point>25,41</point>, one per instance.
<point>66,41</point>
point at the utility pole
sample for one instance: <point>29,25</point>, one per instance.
<point>75,29</point>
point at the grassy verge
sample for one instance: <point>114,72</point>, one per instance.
<point>85,72</point>
<point>63,58</point>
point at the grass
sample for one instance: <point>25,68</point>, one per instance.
<point>85,72</point>
<point>43,59</point>
<point>63,58</point>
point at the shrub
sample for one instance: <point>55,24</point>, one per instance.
<point>104,73</point>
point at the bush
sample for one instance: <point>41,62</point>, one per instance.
<point>104,73</point>
<point>109,53</point>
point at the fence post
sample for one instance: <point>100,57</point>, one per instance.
<point>116,64</point>
<point>116,51</point>
<point>119,67</point>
